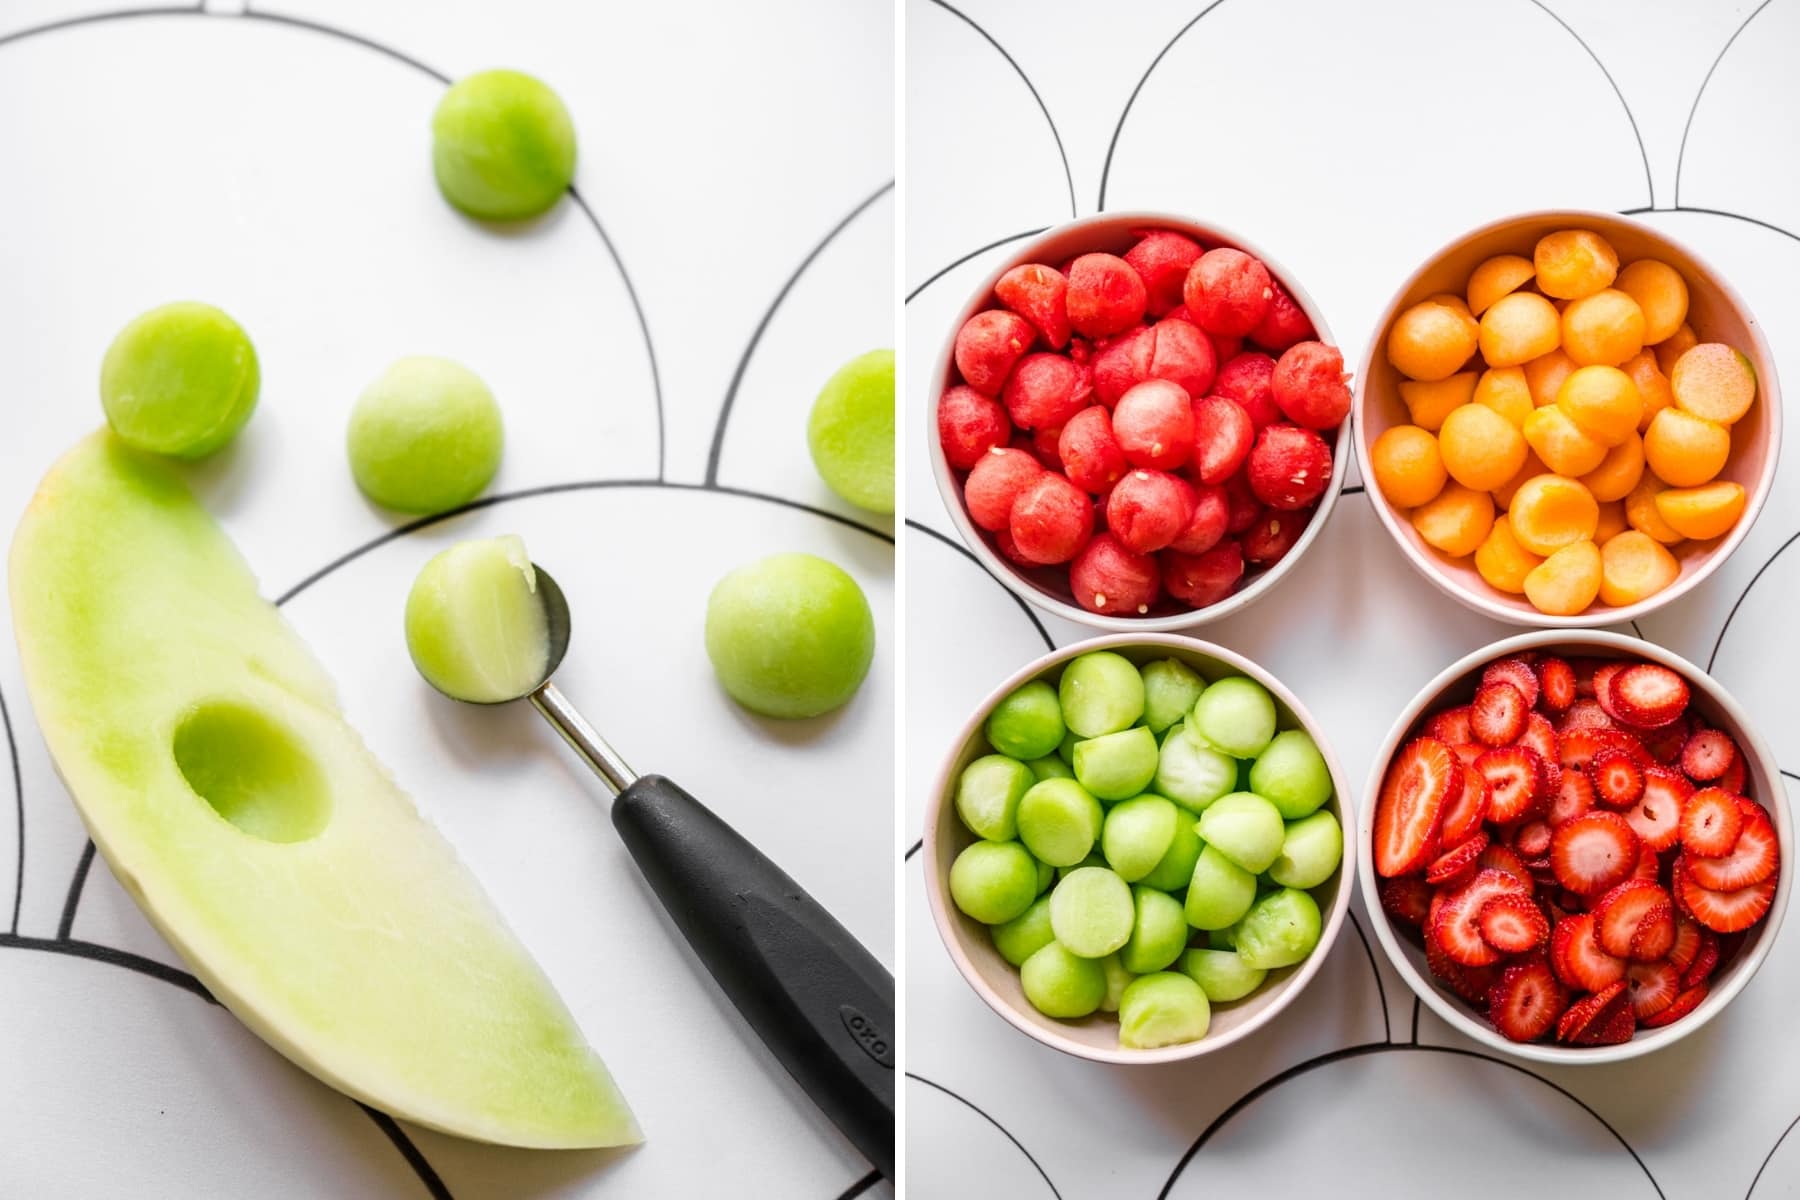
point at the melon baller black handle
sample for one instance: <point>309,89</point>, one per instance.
<point>816,997</point>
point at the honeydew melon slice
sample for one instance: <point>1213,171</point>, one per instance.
<point>205,750</point>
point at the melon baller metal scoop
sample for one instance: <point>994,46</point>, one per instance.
<point>816,997</point>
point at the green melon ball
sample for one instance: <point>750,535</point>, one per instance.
<point>1026,934</point>
<point>1092,912</point>
<point>1101,692</point>
<point>1163,1009</point>
<point>1117,980</point>
<point>1117,766</point>
<point>987,796</point>
<point>1237,715</point>
<point>790,635</point>
<point>1159,934</point>
<point>502,146</point>
<point>1135,836</point>
<point>1219,892</point>
<point>1170,689</point>
<point>475,624</point>
<point>425,437</point>
<point>1221,974</point>
<point>851,431</point>
<point>1059,821</point>
<point>1310,852</point>
<point>1280,930</point>
<point>1191,774</point>
<point>1177,866</point>
<point>993,882</point>
<point>1061,984</point>
<point>179,380</point>
<point>1027,723</point>
<point>1291,774</point>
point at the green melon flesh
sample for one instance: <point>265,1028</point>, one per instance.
<point>204,747</point>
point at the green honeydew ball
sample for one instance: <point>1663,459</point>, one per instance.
<point>1237,715</point>
<point>993,882</point>
<point>1092,912</point>
<point>1115,766</point>
<point>1291,774</point>
<point>988,793</point>
<point>502,146</point>
<point>1159,934</point>
<point>179,380</point>
<point>1062,984</point>
<point>1059,821</point>
<point>1137,834</point>
<point>1245,828</point>
<point>1027,723</point>
<point>1280,930</point>
<point>475,624</point>
<point>1163,1009</point>
<point>1219,892</point>
<point>851,432</point>
<point>1101,692</point>
<point>425,437</point>
<point>790,635</point>
<point>1170,689</point>
<point>1310,852</point>
<point>1026,934</point>
<point>1221,974</point>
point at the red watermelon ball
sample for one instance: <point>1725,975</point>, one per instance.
<point>1199,580</point>
<point>1039,294</point>
<point>969,425</point>
<point>1223,435</point>
<point>1228,291</point>
<point>1308,386</point>
<point>1273,534</point>
<point>1090,453</point>
<point>1110,577</point>
<point>1147,510</point>
<point>1051,519</point>
<point>1182,354</point>
<point>1283,324</point>
<point>988,345</point>
<point>1162,258</point>
<point>1154,423</point>
<point>1045,390</point>
<point>1246,379</point>
<point>1209,522</point>
<point>1105,295</point>
<point>1289,466</point>
<point>995,482</point>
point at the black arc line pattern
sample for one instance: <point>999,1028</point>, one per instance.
<point>952,265</point>
<point>983,1114</point>
<point>1061,153</point>
<point>1768,1158</point>
<point>1681,154</point>
<point>762,326</point>
<point>861,1186</point>
<point>12,751</point>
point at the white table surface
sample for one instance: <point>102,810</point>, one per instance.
<point>1351,140</point>
<point>740,162</point>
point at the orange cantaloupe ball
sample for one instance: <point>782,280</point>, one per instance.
<point>1685,450</point>
<point>1481,448</point>
<point>1545,376</point>
<point>1573,263</point>
<point>1504,390</point>
<point>1707,511</point>
<point>1714,381</point>
<point>1517,329</point>
<point>1499,276</point>
<point>1618,472</point>
<point>1409,469</point>
<point>1634,567</point>
<point>1603,402</point>
<point>1432,339</point>
<point>1612,522</point>
<point>1660,292</point>
<point>1652,385</point>
<point>1429,402</point>
<point>1606,327</point>
<point>1550,512</point>
<point>1564,446</point>
<point>1670,350</point>
<point>1502,561</point>
<point>1534,466</point>
<point>1456,520</point>
<point>1567,582</point>
<point>1642,514</point>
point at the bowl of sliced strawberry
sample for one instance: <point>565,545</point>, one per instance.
<point>1574,847</point>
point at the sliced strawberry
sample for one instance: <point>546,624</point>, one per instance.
<point>1752,858</point>
<point>1456,928</point>
<point>1726,912</point>
<point>1584,714</point>
<point>1592,853</point>
<point>1649,864</point>
<point>1706,960</point>
<point>1652,986</point>
<point>1464,813</point>
<point>1576,748</point>
<point>1618,780</point>
<point>1735,776</point>
<point>1614,1026</point>
<point>1556,683</point>
<point>1573,798</point>
<point>1684,1003</point>
<point>1710,823</point>
<point>1578,959</point>
<point>1453,864</point>
<point>1647,695</point>
<point>1418,782</point>
<point>1451,726</point>
<point>1517,672</point>
<point>1532,839</point>
<point>1603,681</point>
<point>1656,817</point>
<point>1497,716</point>
<point>1619,912</point>
<point>1585,669</point>
<point>1501,858</point>
<point>1664,745</point>
<point>1512,924</point>
<point>1406,898</point>
<point>1471,983</point>
<point>1655,935</point>
<point>1512,777</point>
<point>1526,1001</point>
<point>1590,1012</point>
<point>1540,735</point>
<point>1686,947</point>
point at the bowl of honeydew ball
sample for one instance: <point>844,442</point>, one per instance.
<point>1134,849</point>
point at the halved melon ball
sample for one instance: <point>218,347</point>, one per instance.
<point>1534,466</point>
<point>1612,522</point>
<point>1703,512</point>
<point>1429,402</point>
<point>1573,263</point>
<point>1499,276</point>
<point>1603,401</point>
<point>1456,520</point>
<point>1432,339</point>
<point>1551,512</point>
<point>1545,376</point>
<point>1563,445</point>
<point>1519,328</point>
<point>1567,582</point>
<point>1606,327</point>
<point>1504,390</point>
<point>1502,561</point>
<point>1670,350</point>
<point>1618,472</point>
<point>1634,566</point>
<point>1408,466</point>
<point>1660,292</point>
<point>1685,450</point>
<point>1652,385</point>
<point>1642,514</point>
<point>1714,381</point>
<point>1481,448</point>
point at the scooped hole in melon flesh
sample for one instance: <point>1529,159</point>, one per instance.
<point>252,771</point>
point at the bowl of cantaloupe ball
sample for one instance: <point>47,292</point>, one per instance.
<point>1567,419</point>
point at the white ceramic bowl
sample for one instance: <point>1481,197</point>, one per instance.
<point>1716,312</point>
<point>1048,587</point>
<point>1455,686</point>
<point>997,982</point>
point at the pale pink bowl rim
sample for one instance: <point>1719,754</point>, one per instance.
<point>1597,615</point>
<point>935,891</point>
<point>1005,571</point>
<point>1726,986</point>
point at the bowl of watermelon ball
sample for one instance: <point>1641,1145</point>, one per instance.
<point>1139,422</point>
<point>1573,847</point>
<point>1134,851</point>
